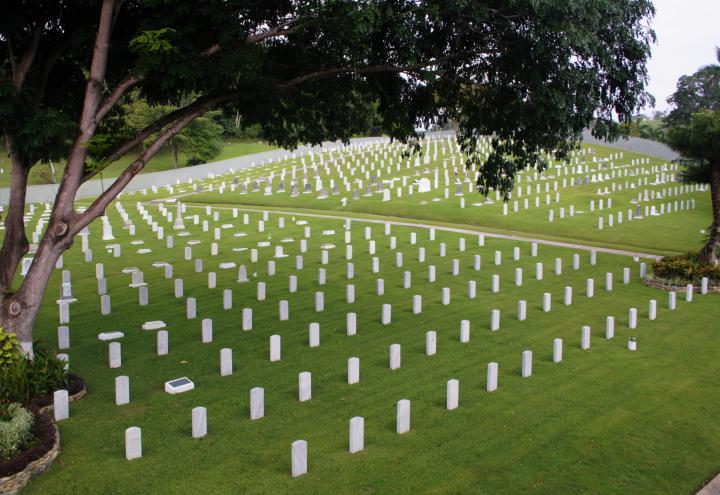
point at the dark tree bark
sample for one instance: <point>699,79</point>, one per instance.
<point>174,146</point>
<point>708,254</point>
<point>15,244</point>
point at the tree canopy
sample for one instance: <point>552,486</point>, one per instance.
<point>530,74</point>
<point>694,132</point>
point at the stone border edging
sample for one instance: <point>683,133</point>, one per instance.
<point>10,485</point>
<point>77,396</point>
<point>675,288</point>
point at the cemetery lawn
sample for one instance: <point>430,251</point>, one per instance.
<point>604,420</point>
<point>671,233</point>
<point>40,173</point>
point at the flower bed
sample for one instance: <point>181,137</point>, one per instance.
<point>76,390</point>
<point>15,473</point>
<point>685,269</point>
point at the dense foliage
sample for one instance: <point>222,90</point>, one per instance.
<point>685,269</point>
<point>694,132</point>
<point>532,74</point>
<point>25,379</point>
<point>9,349</point>
<point>652,127</point>
<point>15,429</point>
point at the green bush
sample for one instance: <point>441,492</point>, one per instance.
<point>15,429</point>
<point>24,379</point>
<point>9,348</point>
<point>685,268</point>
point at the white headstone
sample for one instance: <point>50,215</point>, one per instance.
<point>133,443</point>
<point>403,416</point>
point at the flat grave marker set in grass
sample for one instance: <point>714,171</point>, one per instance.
<point>291,287</point>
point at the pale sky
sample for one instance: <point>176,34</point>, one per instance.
<point>687,33</point>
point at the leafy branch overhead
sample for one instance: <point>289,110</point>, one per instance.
<point>530,74</point>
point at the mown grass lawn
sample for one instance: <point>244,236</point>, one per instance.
<point>672,233</point>
<point>604,420</point>
<point>40,173</point>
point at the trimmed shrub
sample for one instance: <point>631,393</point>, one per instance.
<point>24,379</point>
<point>685,268</point>
<point>9,348</point>
<point>15,429</point>
<point>43,439</point>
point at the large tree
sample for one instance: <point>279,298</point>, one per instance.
<point>694,132</point>
<point>530,74</point>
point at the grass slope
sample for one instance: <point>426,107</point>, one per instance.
<point>604,420</point>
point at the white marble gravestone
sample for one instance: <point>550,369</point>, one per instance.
<point>585,338</point>
<point>299,458</point>
<point>609,327</point>
<point>452,394</point>
<point>133,443</point>
<point>226,362</point>
<point>115,355</point>
<point>275,349</point>
<point>353,370</point>
<point>395,356</point>
<point>61,408</point>
<point>122,390</point>
<point>402,423</point>
<point>199,422</point>
<point>526,364</point>
<point>304,386</point>
<point>257,403</point>
<point>557,350</point>
<point>351,323</point>
<point>357,434</point>
<point>492,377</point>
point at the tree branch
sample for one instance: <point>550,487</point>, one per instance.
<point>20,69</point>
<point>15,244</point>
<point>101,203</point>
<point>282,29</point>
<point>45,74</point>
<point>156,126</point>
<point>112,99</point>
<point>93,90</point>
<point>321,74</point>
<point>72,176</point>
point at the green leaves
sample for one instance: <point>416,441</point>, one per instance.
<point>532,74</point>
<point>157,40</point>
<point>694,122</point>
<point>9,349</point>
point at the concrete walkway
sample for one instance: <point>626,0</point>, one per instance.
<point>712,488</point>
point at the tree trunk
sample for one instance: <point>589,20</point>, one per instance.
<point>15,244</point>
<point>19,309</point>
<point>174,146</point>
<point>708,254</point>
<point>52,173</point>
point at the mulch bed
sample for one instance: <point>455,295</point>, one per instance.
<point>15,473</point>
<point>44,433</point>
<point>75,387</point>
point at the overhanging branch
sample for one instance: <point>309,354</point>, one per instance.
<point>120,151</point>
<point>101,203</point>
<point>112,99</point>
<point>21,68</point>
<point>282,29</point>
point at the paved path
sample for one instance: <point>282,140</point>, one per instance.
<point>458,230</point>
<point>712,488</point>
